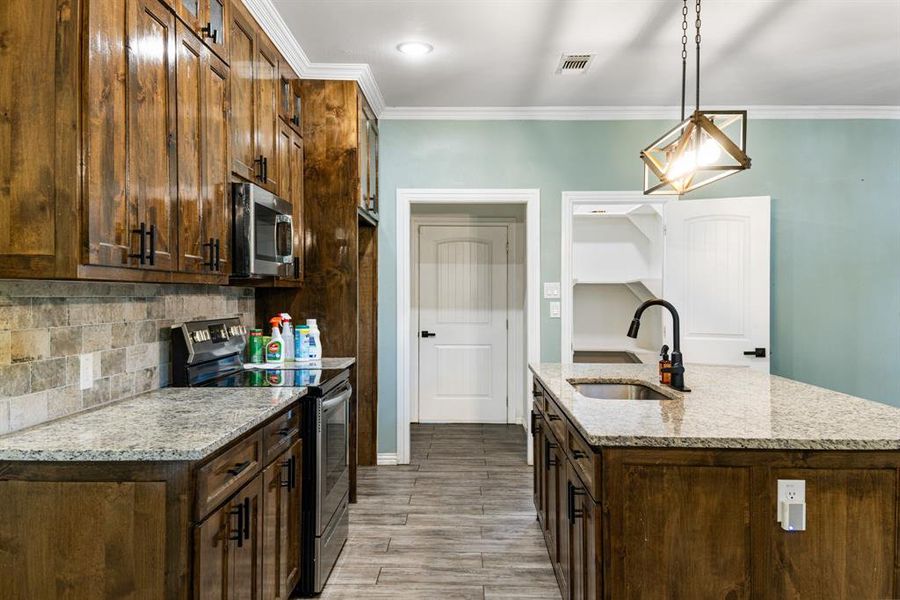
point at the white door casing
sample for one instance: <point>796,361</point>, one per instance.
<point>463,274</point>
<point>717,275</point>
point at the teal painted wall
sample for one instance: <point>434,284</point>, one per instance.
<point>835,187</point>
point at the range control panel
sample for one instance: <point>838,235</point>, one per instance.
<point>210,339</point>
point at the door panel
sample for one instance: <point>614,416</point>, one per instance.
<point>463,301</point>
<point>190,75</point>
<point>267,84</point>
<point>151,128</point>
<point>216,215</point>
<point>243,120</point>
<point>717,276</point>
<point>246,574</point>
<point>109,211</point>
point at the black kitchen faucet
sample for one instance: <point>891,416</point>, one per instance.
<point>677,368</point>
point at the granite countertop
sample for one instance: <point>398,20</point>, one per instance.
<point>728,407</point>
<point>171,424</point>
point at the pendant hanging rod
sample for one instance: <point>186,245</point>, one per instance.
<point>698,55</point>
<point>684,40</point>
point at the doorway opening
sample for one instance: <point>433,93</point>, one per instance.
<point>468,320</point>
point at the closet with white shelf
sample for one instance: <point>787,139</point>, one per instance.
<point>710,258</point>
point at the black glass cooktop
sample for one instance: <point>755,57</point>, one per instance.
<point>276,378</point>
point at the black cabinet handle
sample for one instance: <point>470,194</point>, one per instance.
<point>212,254</point>
<point>578,454</point>
<point>553,417</point>
<point>218,255</point>
<point>209,32</point>
<point>549,460</point>
<point>757,352</point>
<point>286,468</point>
<point>246,517</point>
<point>260,172</point>
<point>537,394</point>
<point>265,168</point>
<point>142,252</point>
<point>573,512</point>
<point>238,535</point>
<point>293,472</point>
<point>428,334</point>
<point>296,120</point>
<point>284,431</point>
<point>152,234</point>
<point>238,468</point>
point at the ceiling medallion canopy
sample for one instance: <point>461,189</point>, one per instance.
<point>706,146</point>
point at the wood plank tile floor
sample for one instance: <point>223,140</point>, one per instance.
<point>458,523</point>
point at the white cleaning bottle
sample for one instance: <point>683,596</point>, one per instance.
<point>315,341</point>
<point>287,332</point>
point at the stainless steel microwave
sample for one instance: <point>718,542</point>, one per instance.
<point>263,233</point>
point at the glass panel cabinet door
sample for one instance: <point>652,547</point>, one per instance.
<point>192,7</point>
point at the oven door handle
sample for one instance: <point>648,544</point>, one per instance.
<point>339,399</point>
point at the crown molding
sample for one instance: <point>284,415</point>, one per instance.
<point>626,113</point>
<point>275,27</point>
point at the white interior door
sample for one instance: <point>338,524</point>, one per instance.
<point>717,276</point>
<point>462,324</point>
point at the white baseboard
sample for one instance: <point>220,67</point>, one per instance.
<point>387,458</point>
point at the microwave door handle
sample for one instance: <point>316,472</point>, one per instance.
<point>333,402</point>
<point>279,219</point>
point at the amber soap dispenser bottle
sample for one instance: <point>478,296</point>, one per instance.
<point>664,363</point>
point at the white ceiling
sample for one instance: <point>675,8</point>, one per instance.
<point>504,52</point>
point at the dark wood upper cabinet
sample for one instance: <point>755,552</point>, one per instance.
<point>368,157</point>
<point>296,199</point>
<point>267,75</point>
<point>203,166</point>
<point>243,92</point>
<point>130,153</point>
<point>290,106</point>
<point>208,20</point>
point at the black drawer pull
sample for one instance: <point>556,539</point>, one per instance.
<point>246,517</point>
<point>141,231</point>
<point>286,466</point>
<point>152,234</point>
<point>284,431</point>
<point>553,417</point>
<point>573,513</point>
<point>211,244</point>
<point>578,454</point>
<point>239,468</point>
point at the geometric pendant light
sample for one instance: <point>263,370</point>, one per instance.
<point>707,146</point>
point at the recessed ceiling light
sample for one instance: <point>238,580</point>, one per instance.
<point>415,48</point>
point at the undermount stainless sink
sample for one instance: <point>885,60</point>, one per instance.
<point>619,391</point>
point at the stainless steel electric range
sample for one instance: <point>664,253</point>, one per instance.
<point>209,353</point>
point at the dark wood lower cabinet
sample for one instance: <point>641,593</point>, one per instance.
<point>281,524</point>
<point>700,523</point>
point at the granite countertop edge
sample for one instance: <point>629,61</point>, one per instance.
<point>700,442</point>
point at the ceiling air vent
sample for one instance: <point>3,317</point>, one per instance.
<point>574,63</point>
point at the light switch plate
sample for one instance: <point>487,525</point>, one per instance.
<point>551,290</point>
<point>86,373</point>
<point>554,310</point>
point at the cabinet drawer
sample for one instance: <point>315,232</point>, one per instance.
<point>557,421</point>
<point>225,474</point>
<point>280,434</point>
<point>585,461</point>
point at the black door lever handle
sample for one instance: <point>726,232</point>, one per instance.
<point>757,352</point>
<point>428,334</point>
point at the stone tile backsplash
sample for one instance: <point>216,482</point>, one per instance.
<point>120,331</point>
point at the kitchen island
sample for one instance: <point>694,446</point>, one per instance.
<point>677,496</point>
<point>166,495</point>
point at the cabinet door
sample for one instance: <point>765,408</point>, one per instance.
<point>560,533</point>
<point>296,198</point>
<point>283,155</point>
<point>214,31</point>
<point>289,97</point>
<point>216,215</point>
<point>150,144</point>
<point>267,77</point>
<point>194,252</point>
<point>582,525</point>
<point>363,155</point>
<point>213,540</point>
<point>109,213</point>
<point>242,45</point>
<point>281,524</point>
<point>372,150</point>
<point>246,573</point>
<point>537,436</point>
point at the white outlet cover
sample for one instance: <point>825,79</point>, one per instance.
<point>554,310</point>
<point>551,289</point>
<point>790,492</point>
<point>86,373</point>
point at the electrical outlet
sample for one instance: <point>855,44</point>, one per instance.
<point>791,508</point>
<point>554,310</point>
<point>551,290</point>
<point>86,373</point>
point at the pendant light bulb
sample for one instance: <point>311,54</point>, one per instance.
<point>709,154</point>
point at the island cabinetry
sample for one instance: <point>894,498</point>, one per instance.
<point>667,522</point>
